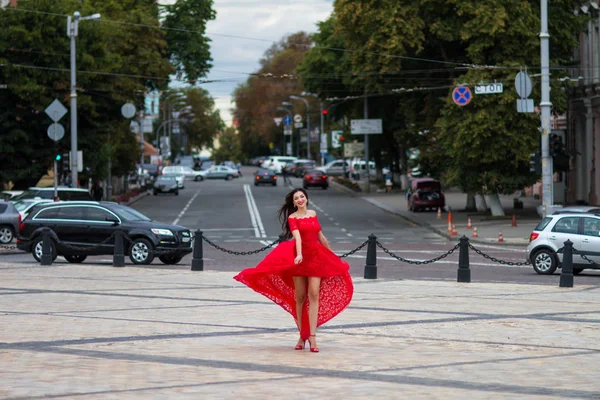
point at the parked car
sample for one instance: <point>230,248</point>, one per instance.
<point>265,175</point>
<point>24,206</point>
<point>180,179</point>
<point>64,193</point>
<point>584,209</point>
<point>257,161</point>
<point>219,172</point>
<point>315,178</point>
<point>358,168</point>
<point>336,168</point>
<point>9,194</point>
<point>166,184</point>
<point>10,219</point>
<point>275,163</point>
<point>582,229</point>
<point>187,172</point>
<point>426,194</point>
<point>153,170</point>
<point>299,167</point>
<point>206,164</point>
<point>77,226</point>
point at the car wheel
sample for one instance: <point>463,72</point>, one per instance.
<point>324,187</point>
<point>177,193</point>
<point>577,271</point>
<point>255,184</point>
<point>141,252</point>
<point>170,260</point>
<point>197,178</point>
<point>544,262</point>
<point>305,187</point>
<point>7,234</point>
<point>76,258</point>
<point>36,249</point>
<point>155,192</point>
<point>229,177</point>
<point>274,183</point>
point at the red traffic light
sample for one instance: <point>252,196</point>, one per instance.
<point>341,138</point>
<point>324,111</point>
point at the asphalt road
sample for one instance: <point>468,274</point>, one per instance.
<point>242,217</point>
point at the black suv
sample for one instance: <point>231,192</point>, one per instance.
<point>77,226</point>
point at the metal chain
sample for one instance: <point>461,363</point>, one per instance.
<point>355,250</point>
<point>414,261</point>
<point>239,253</point>
<point>7,247</point>
<point>87,248</point>
<point>575,251</point>
<point>497,260</point>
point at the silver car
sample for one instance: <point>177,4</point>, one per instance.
<point>220,172</point>
<point>10,219</point>
<point>549,236</point>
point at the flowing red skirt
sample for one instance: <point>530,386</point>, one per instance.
<point>272,278</point>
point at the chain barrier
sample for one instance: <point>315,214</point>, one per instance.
<point>239,253</point>
<point>355,250</point>
<point>87,248</point>
<point>497,260</point>
<point>8,247</point>
<point>596,265</point>
<point>386,251</point>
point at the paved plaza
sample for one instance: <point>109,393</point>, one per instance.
<point>98,332</point>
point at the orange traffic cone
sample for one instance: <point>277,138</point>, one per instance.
<point>514,221</point>
<point>500,237</point>
<point>453,230</point>
<point>449,221</point>
<point>469,226</point>
<point>475,235</point>
<point>439,215</point>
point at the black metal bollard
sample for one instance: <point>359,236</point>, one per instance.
<point>464,271</point>
<point>566,274</point>
<point>281,237</point>
<point>46,247</point>
<point>119,253</point>
<point>198,258</point>
<point>371,266</point>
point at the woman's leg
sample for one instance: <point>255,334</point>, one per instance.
<point>300,283</point>
<point>314,287</point>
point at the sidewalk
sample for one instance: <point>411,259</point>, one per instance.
<point>488,227</point>
<point>98,332</point>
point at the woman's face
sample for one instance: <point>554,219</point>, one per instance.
<point>300,199</point>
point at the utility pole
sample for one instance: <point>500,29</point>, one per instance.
<point>322,131</point>
<point>545,106</point>
<point>366,116</point>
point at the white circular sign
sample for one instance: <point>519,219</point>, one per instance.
<point>523,84</point>
<point>297,118</point>
<point>56,132</point>
<point>128,110</point>
<point>134,127</point>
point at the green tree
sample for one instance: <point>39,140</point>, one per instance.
<point>229,146</point>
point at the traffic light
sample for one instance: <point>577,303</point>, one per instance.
<point>535,163</point>
<point>58,157</point>
<point>324,111</point>
<point>342,139</point>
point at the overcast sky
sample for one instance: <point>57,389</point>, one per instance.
<point>259,19</point>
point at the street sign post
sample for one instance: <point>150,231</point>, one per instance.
<point>287,130</point>
<point>297,118</point>
<point>298,125</point>
<point>461,95</point>
<point>287,120</point>
<point>366,126</point>
<point>56,110</point>
<point>335,139</point>
<point>56,131</point>
<point>524,88</point>
<point>489,88</point>
<point>128,110</point>
<point>277,121</point>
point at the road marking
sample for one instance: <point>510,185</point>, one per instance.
<point>189,203</point>
<point>259,229</point>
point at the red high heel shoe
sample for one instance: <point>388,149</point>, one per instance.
<point>300,346</point>
<point>312,349</point>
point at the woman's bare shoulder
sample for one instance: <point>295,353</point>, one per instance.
<point>312,213</point>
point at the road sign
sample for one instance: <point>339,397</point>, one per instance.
<point>128,110</point>
<point>56,131</point>
<point>525,106</point>
<point>354,149</point>
<point>489,88</point>
<point>147,124</point>
<point>366,126</point>
<point>297,118</point>
<point>277,121</point>
<point>298,125</point>
<point>335,139</point>
<point>287,130</point>
<point>461,95</point>
<point>523,84</point>
<point>56,110</point>
<point>287,120</point>
<point>323,147</point>
<point>134,127</point>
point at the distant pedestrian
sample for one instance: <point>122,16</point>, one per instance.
<point>388,182</point>
<point>97,191</point>
<point>285,174</point>
<point>408,194</point>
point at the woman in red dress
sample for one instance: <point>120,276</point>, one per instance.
<point>302,275</point>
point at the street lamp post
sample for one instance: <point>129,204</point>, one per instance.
<point>288,104</point>
<point>307,123</point>
<point>289,113</point>
<point>72,30</point>
<point>322,118</point>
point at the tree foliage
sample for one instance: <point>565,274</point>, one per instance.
<point>229,148</point>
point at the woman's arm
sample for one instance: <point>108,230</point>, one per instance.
<point>297,239</point>
<point>324,241</point>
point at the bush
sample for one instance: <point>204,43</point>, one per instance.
<point>348,183</point>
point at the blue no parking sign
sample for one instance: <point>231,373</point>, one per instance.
<point>462,95</point>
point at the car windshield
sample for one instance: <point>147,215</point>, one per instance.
<point>22,205</point>
<point>130,214</point>
<point>543,224</point>
<point>28,194</point>
<point>168,178</point>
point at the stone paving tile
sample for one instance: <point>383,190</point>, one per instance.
<point>128,333</point>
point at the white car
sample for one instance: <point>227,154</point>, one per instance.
<point>24,206</point>
<point>275,163</point>
<point>187,172</point>
<point>180,179</point>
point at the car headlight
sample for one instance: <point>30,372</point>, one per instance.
<point>163,232</point>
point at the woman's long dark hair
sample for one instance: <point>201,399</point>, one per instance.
<point>288,209</point>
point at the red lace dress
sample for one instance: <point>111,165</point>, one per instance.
<point>272,277</point>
